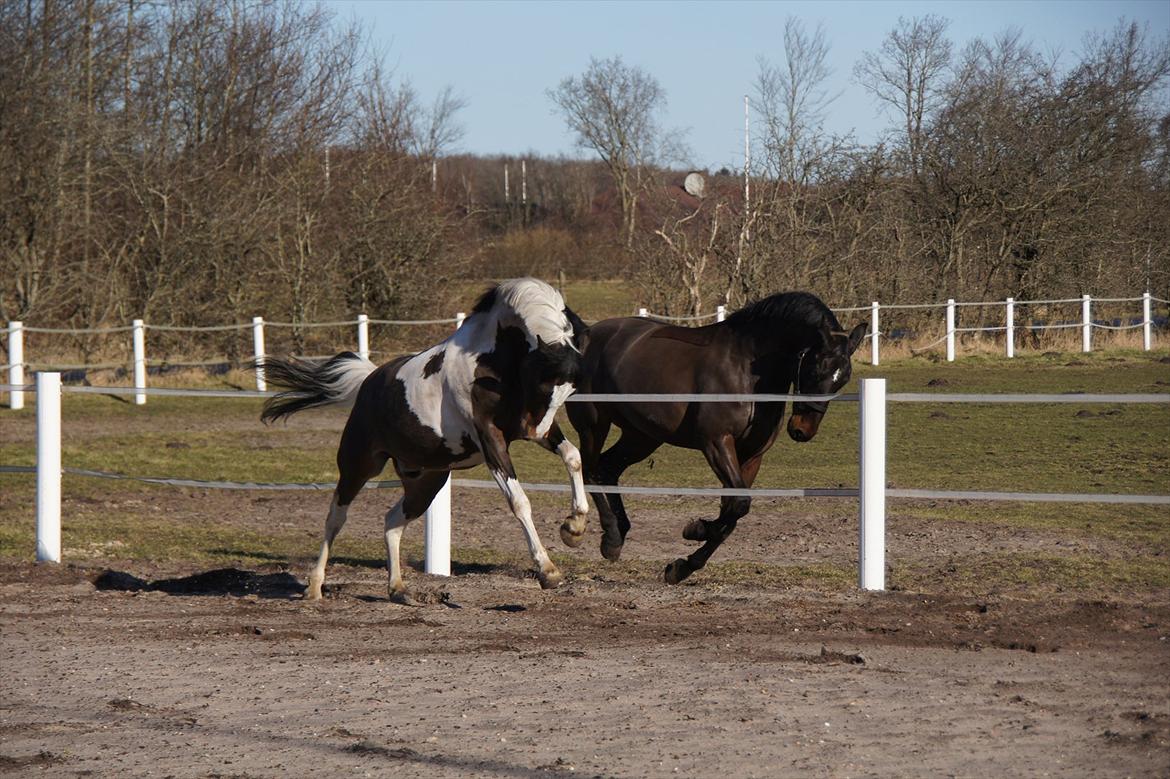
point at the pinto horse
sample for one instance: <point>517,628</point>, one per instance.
<point>790,339</point>
<point>499,378</point>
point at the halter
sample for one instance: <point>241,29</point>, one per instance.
<point>819,406</point>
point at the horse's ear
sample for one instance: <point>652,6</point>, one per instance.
<point>580,329</point>
<point>855,337</point>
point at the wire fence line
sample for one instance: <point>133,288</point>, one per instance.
<point>1089,398</point>
<point>451,320</point>
<point>239,356</point>
<point>871,493</point>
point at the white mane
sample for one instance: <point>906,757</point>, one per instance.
<point>536,307</point>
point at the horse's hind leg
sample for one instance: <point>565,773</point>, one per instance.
<point>631,448</point>
<point>355,471</point>
<point>419,491</point>
<point>722,458</point>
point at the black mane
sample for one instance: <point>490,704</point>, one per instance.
<point>785,309</point>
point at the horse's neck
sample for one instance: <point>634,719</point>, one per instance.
<point>773,355</point>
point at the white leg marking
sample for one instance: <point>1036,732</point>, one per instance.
<point>333,523</point>
<point>572,460</point>
<point>522,509</point>
<point>560,393</point>
<point>396,522</point>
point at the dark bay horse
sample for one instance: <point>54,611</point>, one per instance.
<point>789,340</point>
<point>499,378</point>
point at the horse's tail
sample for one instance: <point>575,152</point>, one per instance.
<point>312,384</point>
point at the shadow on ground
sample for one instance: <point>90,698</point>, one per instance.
<point>222,581</point>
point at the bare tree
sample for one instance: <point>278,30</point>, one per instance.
<point>907,75</point>
<point>614,109</point>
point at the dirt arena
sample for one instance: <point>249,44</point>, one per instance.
<point>117,668</point>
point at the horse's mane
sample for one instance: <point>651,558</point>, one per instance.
<point>533,305</point>
<point>785,309</point>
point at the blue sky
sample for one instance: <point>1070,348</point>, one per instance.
<point>501,57</point>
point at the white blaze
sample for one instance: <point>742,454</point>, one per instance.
<point>560,393</point>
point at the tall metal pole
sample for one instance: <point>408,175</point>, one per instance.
<point>747,164</point>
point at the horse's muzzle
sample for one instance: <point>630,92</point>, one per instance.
<point>802,426</point>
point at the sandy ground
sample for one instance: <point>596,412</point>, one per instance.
<point>128,669</point>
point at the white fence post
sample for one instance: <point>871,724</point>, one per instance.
<point>950,329</point>
<point>258,351</point>
<point>48,467</point>
<point>643,312</point>
<point>16,364</point>
<point>1086,324</point>
<point>363,323</point>
<point>1147,340</point>
<point>437,521</point>
<point>872,485</point>
<point>139,361</point>
<point>720,313</point>
<point>1009,332</point>
<point>874,334</point>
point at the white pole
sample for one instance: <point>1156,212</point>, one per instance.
<point>875,331</point>
<point>139,361</point>
<point>258,351</point>
<point>872,491</point>
<point>1146,321</point>
<point>524,182</point>
<point>950,329</point>
<point>363,323</point>
<point>48,467</point>
<point>1010,328</point>
<point>434,175</point>
<point>437,521</point>
<point>1086,324</point>
<point>16,364</point>
<point>643,312</point>
<point>720,313</point>
<point>507,197</point>
<point>747,163</point>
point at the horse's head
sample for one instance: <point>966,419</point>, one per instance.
<point>549,374</point>
<point>822,369</point>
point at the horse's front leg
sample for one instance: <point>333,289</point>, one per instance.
<point>499,463</point>
<point>573,528</point>
<point>722,458</point>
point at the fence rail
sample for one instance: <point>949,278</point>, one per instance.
<point>872,491</point>
<point>139,365</point>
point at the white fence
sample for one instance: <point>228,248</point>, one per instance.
<point>138,328</point>
<point>1009,327</point>
<point>872,491</point>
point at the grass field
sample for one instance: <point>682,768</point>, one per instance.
<point>1042,448</point>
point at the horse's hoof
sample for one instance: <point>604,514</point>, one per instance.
<point>695,530</point>
<point>550,580</point>
<point>677,571</point>
<point>403,598</point>
<point>313,591</point>
<point>611,552</point>
<point>571,538</point>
